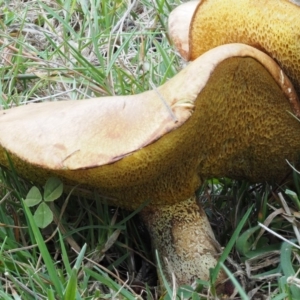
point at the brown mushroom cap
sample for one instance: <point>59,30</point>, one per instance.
<point>71,135</point>
<point>271,26</point>
<point>231,107</point>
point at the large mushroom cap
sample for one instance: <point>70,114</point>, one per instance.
<point>71,135</point>
<point>272,26</point>
<point>227,113</point>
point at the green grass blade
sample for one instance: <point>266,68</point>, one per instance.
<point>229,246</point>
<point>45,253</point>
<point>235,282</point>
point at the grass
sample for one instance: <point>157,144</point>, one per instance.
<point>58,50</point>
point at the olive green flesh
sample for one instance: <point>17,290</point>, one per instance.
<point>241,128</point>
<point>271,26</point>
<point>182,234</point>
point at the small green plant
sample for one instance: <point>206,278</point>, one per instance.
<point>43,215</point>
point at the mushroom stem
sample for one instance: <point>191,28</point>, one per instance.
<point>181,233</point>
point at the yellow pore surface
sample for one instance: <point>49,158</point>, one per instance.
<point>270,25</point>
<point>241,128</point>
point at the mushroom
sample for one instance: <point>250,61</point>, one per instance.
<point>228,113</point>
<point>272,26</point>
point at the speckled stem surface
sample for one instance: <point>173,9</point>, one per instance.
<point>182,233</point>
